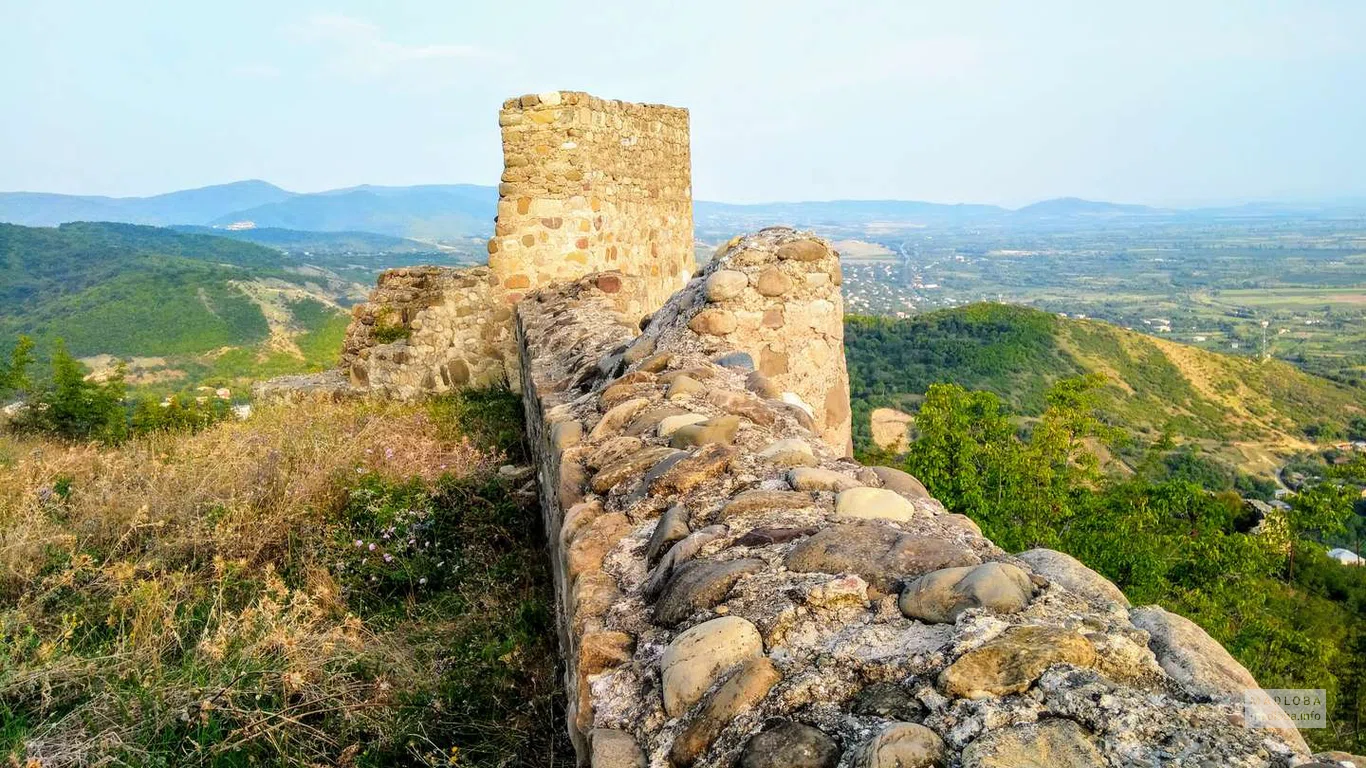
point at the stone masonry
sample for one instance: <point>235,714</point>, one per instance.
<point>591,185</point>
<point>588,185</point>
<point>447,328</point>
<point>733,591</point>
<point>783,310</point>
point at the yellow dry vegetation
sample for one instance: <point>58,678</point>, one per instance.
<point>1258,407</point>
<point>184,576</point>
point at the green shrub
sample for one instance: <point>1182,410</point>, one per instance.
<point>385,334</point>
<point>73,406</point>
<point>178,413</point>
<point>491,416</point>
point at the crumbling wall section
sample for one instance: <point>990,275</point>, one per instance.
<point>429,330</point>
<point>732,590</point>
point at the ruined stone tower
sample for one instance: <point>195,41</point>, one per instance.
<point>588,185</point>
<point>591,185</point>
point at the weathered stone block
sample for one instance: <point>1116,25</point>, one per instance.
<point>872,504</point>
<point>939,597</point>
<point>904,745</point>
<point>1012,662</point>
<point>698,586</point>
<point>743,690</point>
<point>790,745</point>
<point>700,656</point>
<point>1048,744</point>
<point>717,429</point>
<point>1068,572</point>
<point>880,554</point>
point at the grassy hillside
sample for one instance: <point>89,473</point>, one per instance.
<point>204,306</point>
<point>1154,386</point>
<point>334,584</point>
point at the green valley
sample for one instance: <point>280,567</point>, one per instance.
<point>178,309</point>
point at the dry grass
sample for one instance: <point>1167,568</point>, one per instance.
<point>239,492</point>
<point>266,592</point>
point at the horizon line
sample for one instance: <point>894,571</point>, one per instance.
<point>1357,199</point>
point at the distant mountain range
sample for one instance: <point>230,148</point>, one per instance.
<point>418,212</point>
<point>1072,209</point>
<point>338,241</point>
<point>1075,206</point>
<point>423,212</point>
<point>454,211</point>
<point>191,206</point>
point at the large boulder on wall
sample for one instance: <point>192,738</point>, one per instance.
<point>1202,666</point>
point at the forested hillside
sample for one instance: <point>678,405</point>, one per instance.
<point>1152,387</point>
<point>212,303</point>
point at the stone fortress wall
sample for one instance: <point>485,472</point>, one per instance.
<point>451,328</point>
<point>732,589</point>
<point>787,315</point>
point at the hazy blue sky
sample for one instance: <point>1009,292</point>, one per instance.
<point>1009,102</point>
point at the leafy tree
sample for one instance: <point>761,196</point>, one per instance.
<point>958,453</point>
<point>75,407</point>
<point>14,374</point>
<point>1251,487</point>
<point>1162,535</point>
<point>1323,432</point>
<point>968,453</point>
<point>1354,471</point>
<point>1321,509</point>
<point>1356,429</point>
